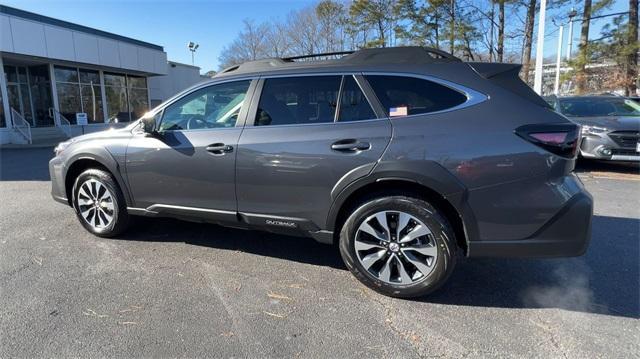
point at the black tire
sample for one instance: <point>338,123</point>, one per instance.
<point>442,234</point>
<point>120,216</point>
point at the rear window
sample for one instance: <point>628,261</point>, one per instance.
<point>403,95</point>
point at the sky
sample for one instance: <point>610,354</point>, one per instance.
<point>211,24</point>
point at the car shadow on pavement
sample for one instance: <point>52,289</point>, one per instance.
<point>297,249</point>
<point>605,280</point>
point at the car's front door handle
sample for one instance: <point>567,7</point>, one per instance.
<point>219,148</point>
<point>350,145</point>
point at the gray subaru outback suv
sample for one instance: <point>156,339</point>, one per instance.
<point>408,158</point>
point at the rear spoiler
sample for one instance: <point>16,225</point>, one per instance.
<point>507,77</point>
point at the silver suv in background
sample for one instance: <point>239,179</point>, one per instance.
<point>610,125</point>
<point>406,157</point>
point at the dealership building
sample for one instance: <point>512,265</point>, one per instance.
<point>62,79</point>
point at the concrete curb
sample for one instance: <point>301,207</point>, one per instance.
<point>27,147</point>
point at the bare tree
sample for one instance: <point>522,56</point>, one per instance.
<point>331,18</point>
<point>632,55</point>
<point>528,38</point>
<point>581,80</point>
<point>500,50</point>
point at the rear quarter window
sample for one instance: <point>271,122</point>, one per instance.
<point>404,95</point>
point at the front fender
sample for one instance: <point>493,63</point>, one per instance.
<point>105,158</point>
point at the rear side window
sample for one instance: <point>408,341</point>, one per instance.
<point>353,105</point>
<point>298,100</point>
<point>403,95</point>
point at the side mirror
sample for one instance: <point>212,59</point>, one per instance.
<point>149,124</point>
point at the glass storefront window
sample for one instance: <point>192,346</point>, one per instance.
<point>114,80</point>
<point>26,103</point>
<point>81,89</point>
<point>117,104</point>
<point>69,100</point>
<point>92,103</point>
<point>138,96</point>
<point>138,102</point>
<point>139,82</point>
<point>66,74</point>
<point>89,77</point>
<point>18,91</point>
<point>41,95</point>
<point>127,96</point>
<point>10,73</point>
<point>22,75</point>
<point>2,121</point>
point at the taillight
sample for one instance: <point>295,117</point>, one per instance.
<point>561,139</point>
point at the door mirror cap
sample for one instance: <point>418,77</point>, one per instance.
<point>149,124</point>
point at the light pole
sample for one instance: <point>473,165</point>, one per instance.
<point>573,13</point>
<point>537,79</point>
<point>192,47</point>
<point>556,87</point>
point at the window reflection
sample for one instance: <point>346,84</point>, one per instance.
<point>18,91</point>
<point>2,121</point>
<point>79,90</point>
<point>127,96</point>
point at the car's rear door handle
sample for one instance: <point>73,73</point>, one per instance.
<point>219,148</point>
<point>350,145</point>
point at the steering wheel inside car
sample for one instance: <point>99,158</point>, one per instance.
<point>194,123</point>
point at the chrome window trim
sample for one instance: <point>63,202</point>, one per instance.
<point>315,124</point>
<point>195,88</point>
<point>342,74</point>
<point>473,97</point>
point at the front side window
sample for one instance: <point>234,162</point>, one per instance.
<point>298,100</point>
<point>216,106</point>
<point>403,95</point>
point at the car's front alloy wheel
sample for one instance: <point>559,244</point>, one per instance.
<point>99,203</point>
<point>96,204</point>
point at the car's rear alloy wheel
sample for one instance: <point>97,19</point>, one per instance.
<point>99,203</point>
<point>399,246</point>
<point>396,247</point>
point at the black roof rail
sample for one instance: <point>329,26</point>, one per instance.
<point>404,54</point>
<point>387,55</point>
<point>325,54</point>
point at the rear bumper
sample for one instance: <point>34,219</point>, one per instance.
<point>567,234</point>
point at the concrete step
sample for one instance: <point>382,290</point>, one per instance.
<point>48,134</point>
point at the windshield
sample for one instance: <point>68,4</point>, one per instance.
<point>592,107</point>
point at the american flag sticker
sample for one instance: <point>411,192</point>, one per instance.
<point>398,111</point>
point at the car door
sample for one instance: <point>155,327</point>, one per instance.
<point>302,143</point>
<point>189,166</point>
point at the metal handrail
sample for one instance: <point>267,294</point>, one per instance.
<point>21,125</point>
<point>65,124</point>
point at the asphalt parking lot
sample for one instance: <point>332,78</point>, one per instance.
<point>176,289</point>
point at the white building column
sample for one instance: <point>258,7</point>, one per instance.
<point>556,87</point>
<point>537,79</point>
<point>5,97</point>
<point>54,96</point>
